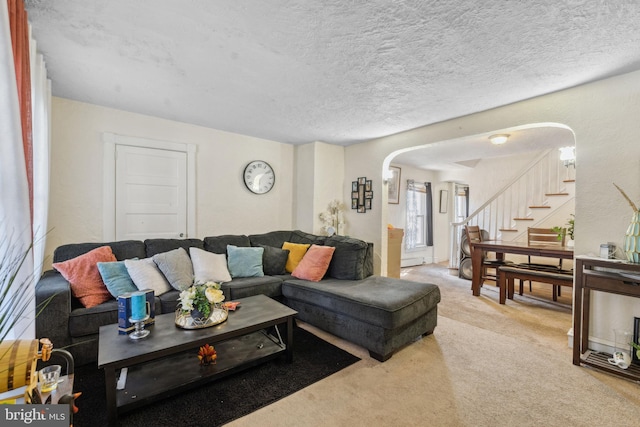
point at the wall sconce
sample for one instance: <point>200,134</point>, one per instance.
<point>499,139</point>
<point>568,156</point>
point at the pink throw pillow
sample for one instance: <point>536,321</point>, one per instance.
<point>315,263</point>
<point>83,275</point>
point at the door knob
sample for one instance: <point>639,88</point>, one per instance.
<point>181,234</point>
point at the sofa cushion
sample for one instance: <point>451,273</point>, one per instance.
<point>273,238</point>
<point>158,246</point>
<point>218,244</point>
<point>274,260</point>
<point>349,258</point>
<point>381,301</point>
<point>315,263</point>
<point>244,262</point>
<point>146,275</point>
<point>209,266</point>
<point>248,286</point>
<point>87,321</point>
<point>125,249</point>
<point>116,278</point>
<point>84,277</point>
<point>296,253</point>
<point>169,301</point>
<point>176,267</point>
<point>298,236</point>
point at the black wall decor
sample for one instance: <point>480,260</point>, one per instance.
<point>361,194</point>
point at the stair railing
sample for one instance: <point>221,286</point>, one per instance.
<point>528,189</point>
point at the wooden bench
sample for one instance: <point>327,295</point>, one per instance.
<point>507,275</point>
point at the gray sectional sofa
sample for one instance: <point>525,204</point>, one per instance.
<point>378,313</point>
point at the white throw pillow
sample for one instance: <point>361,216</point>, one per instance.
<point>209,267</point>
<point>146,275</point>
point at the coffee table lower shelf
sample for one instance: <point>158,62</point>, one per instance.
<point>162,378</point>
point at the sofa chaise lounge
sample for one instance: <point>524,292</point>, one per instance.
<point>378,313</point>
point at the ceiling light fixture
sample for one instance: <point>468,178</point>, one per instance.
<point>499,139</point>
<point>568,156</point>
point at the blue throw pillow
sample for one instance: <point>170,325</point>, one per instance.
<point>244,262</point>
<point>116,278</point>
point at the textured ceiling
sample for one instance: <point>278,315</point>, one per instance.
<point>337,71</point>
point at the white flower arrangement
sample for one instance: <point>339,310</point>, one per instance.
<point>333,218</point>
<point>201,296</point>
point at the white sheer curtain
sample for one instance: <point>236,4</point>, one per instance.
<point>41,111</point>
<point>15,224</point>
<point>16,231</point>
<point>411,229</point>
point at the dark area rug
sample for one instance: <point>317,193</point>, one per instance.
<point>222,400</point>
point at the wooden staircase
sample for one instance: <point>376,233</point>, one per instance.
<point>542,188</point>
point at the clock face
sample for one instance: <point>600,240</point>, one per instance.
<point>259,177</point>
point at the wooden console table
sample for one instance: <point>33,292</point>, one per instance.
<point>603,275</point>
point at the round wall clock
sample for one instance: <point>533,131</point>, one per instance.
<point>259,177</point>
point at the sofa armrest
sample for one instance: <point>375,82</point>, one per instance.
<point>53,301</point>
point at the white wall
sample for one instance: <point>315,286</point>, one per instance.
<point>603,116</point>
<point>489,176</point>
<point>329,180</point>
<point>397,215</point>
<point>485,179</point>
<point>224,205</point>
<point>304,178</point>
<point>319,178</point>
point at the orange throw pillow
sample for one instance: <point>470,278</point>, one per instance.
<point>315,263</point>
<point>296,252</point>
<point>83,275</point>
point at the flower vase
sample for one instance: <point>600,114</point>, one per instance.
<point>197,314</point>
<point>632,239</point>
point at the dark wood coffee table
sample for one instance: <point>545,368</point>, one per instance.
<point>165,363</point>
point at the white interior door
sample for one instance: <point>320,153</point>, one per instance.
<point>150,193</point>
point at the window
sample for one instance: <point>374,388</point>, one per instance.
<point>419,228</point>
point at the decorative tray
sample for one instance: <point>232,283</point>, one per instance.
<point>217,316</point>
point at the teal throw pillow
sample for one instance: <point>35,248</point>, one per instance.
<point>244,262</point>
<point>116,278</point>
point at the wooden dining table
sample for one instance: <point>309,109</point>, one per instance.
<point>520,248</point>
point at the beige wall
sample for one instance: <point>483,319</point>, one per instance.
<point>319,178</point>
<point>603,116</point>
<point>224,205</point>
<point>397,215</point>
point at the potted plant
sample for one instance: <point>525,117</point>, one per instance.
<point>569,228</point>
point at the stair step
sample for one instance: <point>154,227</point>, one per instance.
<point>539,207</point>
<point>556,194</point>
<point>569,180</point>
<point>523,219</point>
<point>509,229</point>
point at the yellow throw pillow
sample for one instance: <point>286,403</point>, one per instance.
<point>296,253</point>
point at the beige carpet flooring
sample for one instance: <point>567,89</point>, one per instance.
<point>486,365</point>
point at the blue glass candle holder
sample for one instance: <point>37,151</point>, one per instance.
<point>139,331</point>
<point>139,314</point>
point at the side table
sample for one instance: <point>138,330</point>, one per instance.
<point>602,275</point>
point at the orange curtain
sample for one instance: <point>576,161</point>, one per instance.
<point>20,43</point>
